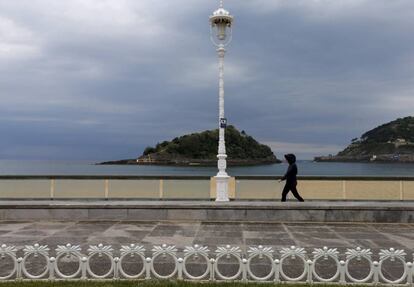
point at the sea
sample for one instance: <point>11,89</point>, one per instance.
<point>306,168</point>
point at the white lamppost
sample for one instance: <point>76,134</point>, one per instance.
<point>221,22</point>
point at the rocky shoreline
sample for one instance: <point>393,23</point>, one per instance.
<point>193,162</point>
<point>385,158</point>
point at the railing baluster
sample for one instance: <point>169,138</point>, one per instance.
<point>410,273</point>
<point>276,267</point>
<point>52,266</point>
<point>180,268</point>
<point>84,262</point>
<point>310,271</point>
<point>19,268</point>
<point>116,268</point>
<point>244,269</point>
<point>342,276</point>
<point>376,272</point>
<point>148,262</point>
<point>212,269</point>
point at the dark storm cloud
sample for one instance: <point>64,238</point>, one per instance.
<point>104,79</point>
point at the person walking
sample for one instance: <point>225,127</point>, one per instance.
<point>290,177</point>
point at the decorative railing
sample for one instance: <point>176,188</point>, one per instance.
<point>110,187</point>
<point>342,265</point>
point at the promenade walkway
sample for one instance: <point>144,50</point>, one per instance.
<point>313,224</point>
<point>375,236</point>
<point>181,234</point>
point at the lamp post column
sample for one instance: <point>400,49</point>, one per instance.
<point>222,178</point>
<point>221,23</point>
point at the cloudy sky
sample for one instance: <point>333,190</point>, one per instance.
<point>103,79</point>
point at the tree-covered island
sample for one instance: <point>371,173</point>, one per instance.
<point>201,149</point>
<point>390,142</point>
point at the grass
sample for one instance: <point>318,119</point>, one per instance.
<point>144,284</point>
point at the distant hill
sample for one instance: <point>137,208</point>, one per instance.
<point>393,141</point>
<point>201,149</point>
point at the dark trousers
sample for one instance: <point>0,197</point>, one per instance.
<point>291,187</point>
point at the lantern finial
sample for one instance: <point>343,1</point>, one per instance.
<point>221,22</point>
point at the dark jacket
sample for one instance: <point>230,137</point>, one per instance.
<point>292,170</point>
<point>291,173</point>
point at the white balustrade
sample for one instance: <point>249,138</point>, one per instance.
<point>18,269</point>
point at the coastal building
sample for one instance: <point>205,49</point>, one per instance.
<point>145,159</point>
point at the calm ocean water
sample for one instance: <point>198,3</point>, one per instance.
<point>13,167</point>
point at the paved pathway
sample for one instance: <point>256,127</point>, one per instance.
<point>181,234</point>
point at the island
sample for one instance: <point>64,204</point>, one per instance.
<point>390,142</point>
<point>200,149</point>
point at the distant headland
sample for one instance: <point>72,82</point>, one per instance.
<point>200,149</point>
<point>390,142</point>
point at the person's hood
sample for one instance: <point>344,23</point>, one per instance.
<point>290,157</point>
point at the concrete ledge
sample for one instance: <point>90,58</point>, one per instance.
<point>258,211</point>
<point>202,177</point>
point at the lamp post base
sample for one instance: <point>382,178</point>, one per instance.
<point>222,188</point>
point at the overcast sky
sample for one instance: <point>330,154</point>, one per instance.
<point>103,79</point>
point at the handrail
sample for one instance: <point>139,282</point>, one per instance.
<point>134,177</point>
<point>202,177</point>
<point>320,177</point>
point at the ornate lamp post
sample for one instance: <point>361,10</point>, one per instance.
<point>221,23</point>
